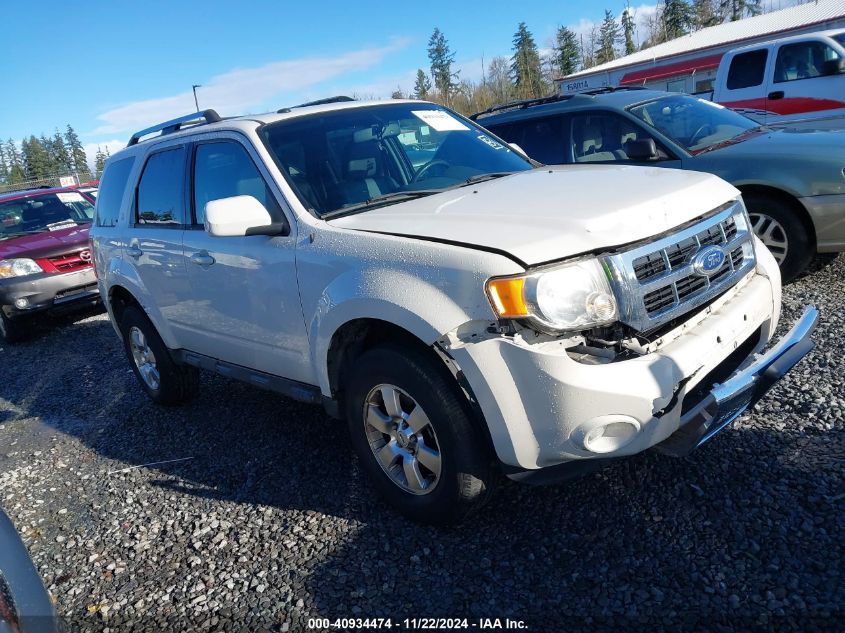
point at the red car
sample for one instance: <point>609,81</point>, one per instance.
<point>45,258</point>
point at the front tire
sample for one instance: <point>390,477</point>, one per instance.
<point>780,228</point>
<point>165,382</point>
<point>12,330</point>
<point>412,432</point>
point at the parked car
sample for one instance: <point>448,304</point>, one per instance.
<point>469,311</point>
<point>89,188</point>
<point>786,80</point>
<point>792,181</point>
<point>45,258</point>
<point>25,606</point>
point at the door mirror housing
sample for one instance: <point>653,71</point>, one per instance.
<point>833,67</point>
<point>518,149</point>
<point>641,149</point>
<point>239,216</point>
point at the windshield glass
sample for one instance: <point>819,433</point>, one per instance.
<point>348,158</point>
<point>45,212</point>
<point>691,122</point>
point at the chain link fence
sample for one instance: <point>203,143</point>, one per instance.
<point>60,180</point>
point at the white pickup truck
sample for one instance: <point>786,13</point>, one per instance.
<point>793,79</point>
<point>465,312</point>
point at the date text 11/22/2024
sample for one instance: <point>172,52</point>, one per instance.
<point>416,624</point>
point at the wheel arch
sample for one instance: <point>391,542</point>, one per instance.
<point>787,198</point>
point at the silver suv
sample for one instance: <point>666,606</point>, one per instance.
<point>465,312</point>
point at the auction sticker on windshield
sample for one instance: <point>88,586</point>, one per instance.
<point>70,197</point>
<point>438,119</point>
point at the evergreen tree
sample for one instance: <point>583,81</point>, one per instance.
<point>78,159</point>
<point>608,37</point>
<point>566,54</point>
<point>4,168</point>
<point>525,65</point>
<point>628,30</point>
<point>422,85</point>
<point>734,10</point>
<point>61,157</point>
<point>99,162</point>
<point>677,18</point>
<point>441,58</point>
<point>36,159</point>
<point>15,163</point>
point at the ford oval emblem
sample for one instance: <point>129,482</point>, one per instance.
<point>708,260</point>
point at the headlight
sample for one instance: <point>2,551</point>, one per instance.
<point>18,268</point>
<point>574,296</point>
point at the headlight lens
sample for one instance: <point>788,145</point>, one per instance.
<point>573,296</point>
<point>18,268</point>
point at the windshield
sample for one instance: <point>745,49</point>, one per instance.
<point>374,155</point>
<point>840,37</point>
<point>694,123</point>
<point>45,212</point>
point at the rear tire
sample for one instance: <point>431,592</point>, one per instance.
<point>12,330</point>
<point>783,232</point>
<point>165,382</point>
<point>413,435</point>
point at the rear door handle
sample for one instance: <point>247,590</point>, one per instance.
<point>134,251</point>
<point>202,258</point>
<point>778,94</point>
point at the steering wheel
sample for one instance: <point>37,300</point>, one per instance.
<point>700,133</point>
<point>428,167</point>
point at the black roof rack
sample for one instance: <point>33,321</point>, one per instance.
<point>174,125</point>
<point>527,103</point>
<point>523,103</point>
<point>336,99</point>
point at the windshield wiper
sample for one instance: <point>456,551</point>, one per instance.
<point>380,201</point>
<point>483,177</point>
<point>8,236</point>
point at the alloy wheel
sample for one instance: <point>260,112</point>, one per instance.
<point>402,439</point>
<point>772,234</point>
<point>144,358</point>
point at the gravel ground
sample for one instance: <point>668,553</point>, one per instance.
<point>266,519</point>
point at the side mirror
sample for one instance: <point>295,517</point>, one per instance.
<point>239,216</point>
<point>833,66</point>
<point>641,149</point>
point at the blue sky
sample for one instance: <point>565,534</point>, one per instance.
<point>111,67</point>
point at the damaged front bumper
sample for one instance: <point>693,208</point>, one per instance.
<point>728,400</point>
<point>546,410</point>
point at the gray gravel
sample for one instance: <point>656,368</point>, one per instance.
<point>269,521</point>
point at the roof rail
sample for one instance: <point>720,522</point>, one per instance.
<point>335,99</point>
<point>174,125</point>
<point>524,103</point>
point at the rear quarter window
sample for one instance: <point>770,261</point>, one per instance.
<point>747,69</point>
<point>112,189</point>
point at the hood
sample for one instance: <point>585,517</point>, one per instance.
<point>46,244</point>
<point>786,143</point>
<point>554,212</point>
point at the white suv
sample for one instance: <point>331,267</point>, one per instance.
<point>466,311</point>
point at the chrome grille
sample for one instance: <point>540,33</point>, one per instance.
<point>656,282</point>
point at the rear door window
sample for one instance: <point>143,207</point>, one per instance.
<point>542,139</point>
<point>161,192</point>
<point>112,188</point>
<point>747,69</point>
<point>604,137</point>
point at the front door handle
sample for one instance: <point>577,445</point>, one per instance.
<point>134,251</point>
<point>202,258</point>
<point>778,94</point>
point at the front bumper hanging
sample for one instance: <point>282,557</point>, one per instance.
<point>730,399</point>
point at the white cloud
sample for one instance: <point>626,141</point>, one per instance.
<point>112,146</point>
<point>241,89</point>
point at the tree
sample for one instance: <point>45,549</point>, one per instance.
<point>441,59</point>
<point>628,30</point>
<point>499,80</point>
<point>78,159</point>
<point>566,54</point>
<point>4,168</point>
<point>99,161</point>
<point>15,163</point>
<point>526,70</point>
<point>608,37</point>
<point>737,9</point>
<point>677,18</point>
<point>422,85</point>
<point>36,159</point>
<point>61,157</point>
<point>398,94</point>
<point>705,13</point>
